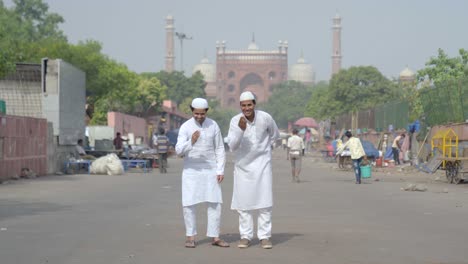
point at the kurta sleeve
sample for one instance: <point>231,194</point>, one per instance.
<point>219,151</point>
<point>273,131</point>
<point>234,135</point>
<point>184,142</point>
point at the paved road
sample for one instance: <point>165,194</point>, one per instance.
<point>137,218</point>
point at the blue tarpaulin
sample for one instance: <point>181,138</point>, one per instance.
<point>369,148</point>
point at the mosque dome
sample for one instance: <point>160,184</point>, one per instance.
<point>302,72</point>
<point>206,69</point>
<point>406,73</point>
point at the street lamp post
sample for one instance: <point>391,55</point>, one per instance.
<point>181,36</point>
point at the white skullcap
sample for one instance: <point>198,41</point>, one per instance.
<point>199,103</point>
<point>247,96</point>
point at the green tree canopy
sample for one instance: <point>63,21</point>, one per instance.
<point>443,68</point>
<point>29,32</point>
<point>287,102</point>
<point>23,30</point>
<point>34,16</point>
<point>359,88</point>
<point>317,106</point>
<point>180,87</point>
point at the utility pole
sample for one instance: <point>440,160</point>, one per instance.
<point>181,36</point>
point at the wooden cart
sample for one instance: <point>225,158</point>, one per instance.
<point>455,168</point>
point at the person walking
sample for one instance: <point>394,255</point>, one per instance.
<point>162,145</point>
<point>357,153</point>
<point>295,147</point>
<point>251,135</point>
<point>201,144</point>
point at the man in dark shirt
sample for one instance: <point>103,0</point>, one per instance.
<point>118,143</point>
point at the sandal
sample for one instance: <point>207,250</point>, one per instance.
<point>220,243</point>
<point>190,243</point>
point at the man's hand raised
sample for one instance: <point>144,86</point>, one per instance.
<point>195,136</point>
<point>242,123</point>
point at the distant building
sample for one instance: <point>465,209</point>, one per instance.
<point>170,52</point>
<point>336,52</point>
<point>302,72</point>
<point>251,69</point>
<point>407,76</point>
<point>208,71</point>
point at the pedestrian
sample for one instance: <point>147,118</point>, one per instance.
<point>118,143</point>
<point>251,135</point>
<point>357,153</point>
<point>201,144</point>
<point>396,148</point>
<point>295,147</point>
<point>162,145</point>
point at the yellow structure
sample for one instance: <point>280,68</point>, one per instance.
<point>446,141</point>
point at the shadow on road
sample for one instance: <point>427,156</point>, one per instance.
<point>12,209</point>
<point>277,238</point>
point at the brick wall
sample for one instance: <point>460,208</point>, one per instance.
<point>126,124</point>
<point>23,144</point>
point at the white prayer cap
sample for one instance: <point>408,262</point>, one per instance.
<point>247,96</point>
<point>199,103</point>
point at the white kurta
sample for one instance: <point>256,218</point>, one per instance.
<point>252,169</point>
<point>203,161</point>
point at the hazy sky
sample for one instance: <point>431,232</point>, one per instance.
<point>386,34</point>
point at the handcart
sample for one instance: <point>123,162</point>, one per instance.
<point>455,168</point>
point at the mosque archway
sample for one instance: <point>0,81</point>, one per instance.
<point>254,83</point>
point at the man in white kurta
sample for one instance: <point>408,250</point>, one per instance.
<point>251,136</point>
<point>295,147</point>
<point>201,144</point>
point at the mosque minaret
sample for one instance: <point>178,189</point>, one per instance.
<point>170,57</point>
<point>336,55</point>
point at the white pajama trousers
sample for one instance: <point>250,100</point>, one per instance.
<point>214,220</point>
<point>246,223</point>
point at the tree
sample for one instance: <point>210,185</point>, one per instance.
<point>40,23</point>
<point>23,29</point>
<point>179,87</point>
<point>410,93</point>
<point>28,32</point>
<point>317,107</point>
<point>443,68</point>
<point>443,88</point>
<point>150,94</point>
<point>359,88</point>
<point>287,102</point>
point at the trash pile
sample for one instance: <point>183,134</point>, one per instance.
<point>109,164</point>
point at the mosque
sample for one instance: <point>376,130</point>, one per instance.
<point>254,69</point>
<point>237,70</point>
